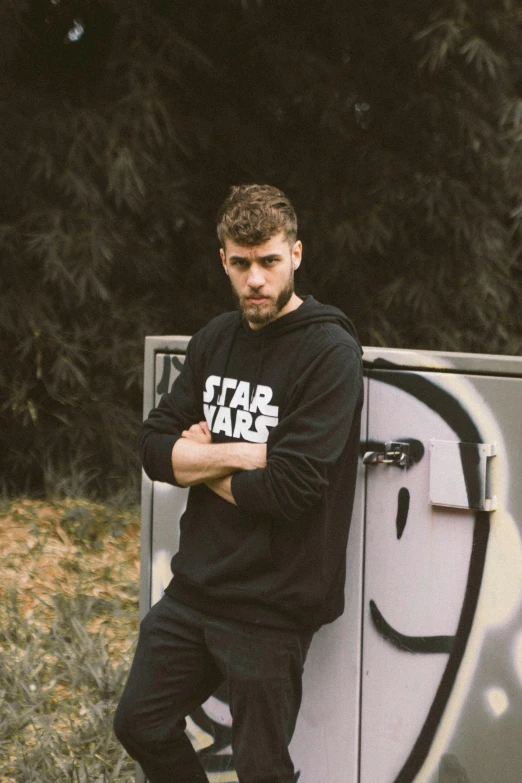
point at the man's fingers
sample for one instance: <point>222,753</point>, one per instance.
<point>204,427</point>
<point>193,433</point>
<point>199,433</point>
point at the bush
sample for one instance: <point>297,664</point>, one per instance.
<point>395,130</point>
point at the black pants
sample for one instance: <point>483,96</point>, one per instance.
<point>181,658</point>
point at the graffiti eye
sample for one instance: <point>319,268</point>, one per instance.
<point>403,506</point>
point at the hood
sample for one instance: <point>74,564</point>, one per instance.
<point>311,311</point>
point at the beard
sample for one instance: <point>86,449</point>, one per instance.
<point>265,313</point>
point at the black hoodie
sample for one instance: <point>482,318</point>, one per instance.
<point>278,557</point>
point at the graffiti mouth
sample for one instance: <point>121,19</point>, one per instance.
<point>414,644</point>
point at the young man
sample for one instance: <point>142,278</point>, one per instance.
<point>263,425</point>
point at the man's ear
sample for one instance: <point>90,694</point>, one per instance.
<point>223,259</point>
<point>297,254</point>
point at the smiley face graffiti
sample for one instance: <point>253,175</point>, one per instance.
<point>428,575</point>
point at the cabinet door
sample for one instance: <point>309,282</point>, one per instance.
<point>440,580</point>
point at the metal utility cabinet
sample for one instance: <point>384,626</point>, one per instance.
<point>421,678</point>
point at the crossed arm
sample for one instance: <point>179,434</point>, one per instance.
<point>196,460</point>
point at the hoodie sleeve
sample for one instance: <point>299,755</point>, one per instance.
<point>308,440</point>
<point>176,411</point>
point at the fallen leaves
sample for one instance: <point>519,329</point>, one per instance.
<point>68,623</point>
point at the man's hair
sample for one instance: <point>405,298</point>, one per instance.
<point>252,214</point>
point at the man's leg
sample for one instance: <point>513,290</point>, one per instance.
<point>172,673</point>
<point>263,668</point>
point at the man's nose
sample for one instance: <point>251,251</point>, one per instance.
<point>256,277</point>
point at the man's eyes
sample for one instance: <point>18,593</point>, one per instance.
<point>243,264</point>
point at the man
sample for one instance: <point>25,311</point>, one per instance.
<point>263,425</point>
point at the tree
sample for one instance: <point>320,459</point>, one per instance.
<point>395,129</point>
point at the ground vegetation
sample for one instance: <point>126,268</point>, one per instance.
<point>68,626</point>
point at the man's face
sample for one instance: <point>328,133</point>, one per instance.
<point>262,277</point>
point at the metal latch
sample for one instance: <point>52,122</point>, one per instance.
<point>394,454</point>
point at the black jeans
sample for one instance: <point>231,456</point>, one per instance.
<point>181,658</point>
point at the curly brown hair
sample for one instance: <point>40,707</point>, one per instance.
<point>252,214</point>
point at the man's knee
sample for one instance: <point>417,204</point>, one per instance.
<point>133,732</point>
<point>124,728</point>
<point>138,734</point>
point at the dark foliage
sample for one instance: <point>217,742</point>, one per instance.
<point>396,128</point>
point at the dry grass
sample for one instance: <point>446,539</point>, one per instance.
<point>68,621</point>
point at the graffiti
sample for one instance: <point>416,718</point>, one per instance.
<point>413,644</point>
<point>169,361</point>
<point>464,417</point>
<point>210,730</point>
<point>451,770</point>
<point>497,700</point>
<point>403,506</point>
<point>454,414</point>
<point>441,652</point>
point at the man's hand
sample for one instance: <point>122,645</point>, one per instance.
<point>199,433</point>
<point>222,487</point>
<point>253,455</point>
<point>196,460</point>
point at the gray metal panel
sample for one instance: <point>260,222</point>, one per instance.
<point>446,361</point>
<point>415,581</point>
<point>145,544</point>
<point>443,593</point>
<point>152,501</point>
<point>402,357</point>
<point>478,728</point>
<point>481,726</point>
<point>325,747</point>
<point>153,495</point>
<point>448,486</point>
